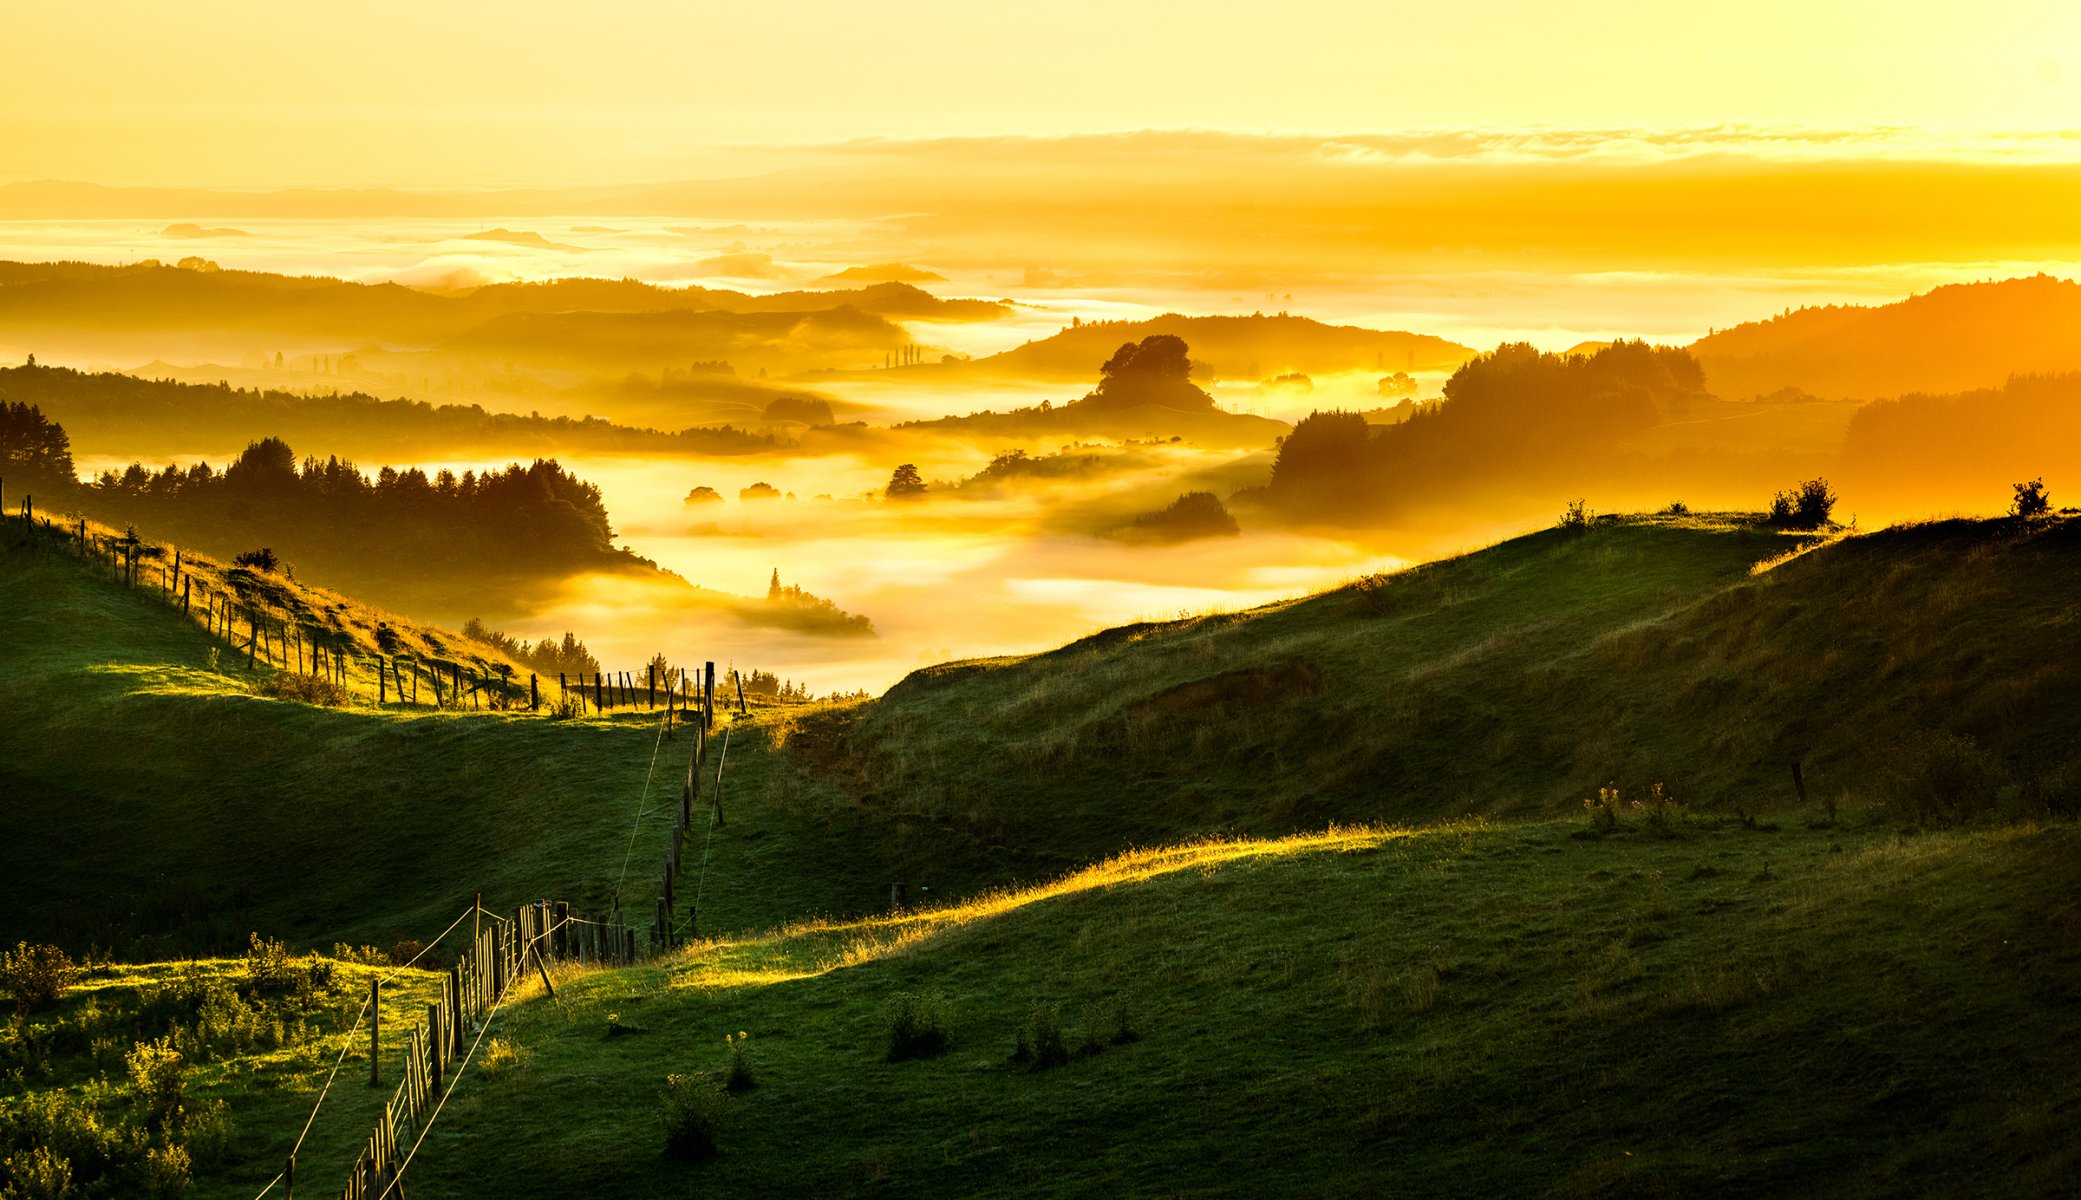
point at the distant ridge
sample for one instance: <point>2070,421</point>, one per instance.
<point>1953,338</point>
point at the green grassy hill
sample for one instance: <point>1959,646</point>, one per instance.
<point>1727,998</point>
<point>1510,682</point>
<point>162,805</point>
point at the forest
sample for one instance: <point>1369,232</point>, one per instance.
<point>329,516</point>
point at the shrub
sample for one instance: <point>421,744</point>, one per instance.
<point>37,1174</point>
<point>1659,808</point>
<point>160,1077</point>
<point>208,1131</point>
<point>36,976</point>
<point>1576,517</point>
<point>262,559</point>
<point>1808,506</point>
<point>386,638</point>
<point>267,965</point>
<point>166,1173</point>
<point>303,689</point>
<point>917,1028</point>
<point>1944,778</point>
<point>740,1077</point>
<point>405,951</point>
<point>2031,499</point>
<point>1041,1044</point>
<point>1604,810</point>
<point>692,1114</point>
<point>1677,508</point>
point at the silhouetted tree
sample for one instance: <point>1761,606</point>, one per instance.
<point>35,452</point>
<point>905,483</point>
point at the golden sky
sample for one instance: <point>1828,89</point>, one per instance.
<point>521,92</point>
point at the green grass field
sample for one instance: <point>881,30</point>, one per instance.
<point>1469,987</point>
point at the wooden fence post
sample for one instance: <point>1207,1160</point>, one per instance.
<point>654,688</point>
<point>534,695</point>
<point>708,699</point>
<point>599,690</point>
<point>375,1031</point>
<point>561,942</point>
<point>435,1043</point>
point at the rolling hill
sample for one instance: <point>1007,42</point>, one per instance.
<point>1950,339</point>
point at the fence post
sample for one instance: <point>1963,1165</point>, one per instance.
<point>708,699</point>
<point>289,1178</point>
<point>436,1044</point>
<point>561,942</point>
<point>599,690</point>
<point>375,1031</point>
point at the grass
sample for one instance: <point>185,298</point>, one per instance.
<point>162,807</point>
<point>1704,653</point>
<point>1723,1011</point>
<point>1426,1000</point>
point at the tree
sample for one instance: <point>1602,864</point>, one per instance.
<point>2031,499</point>
<point>905,483</point>
<point>34,450</point>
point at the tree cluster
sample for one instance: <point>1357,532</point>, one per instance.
<point>533,519</point>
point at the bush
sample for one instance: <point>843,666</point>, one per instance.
<point>2031,499</point>
<point>1041,1044</point>
<point>160,1076</point>
<point>303,689</point>
<point>917,1028</point>
<point>1808,506</point>
<point>1576,517</point>
<point>1945,778</point>
<point>692,1114</point>
<point>36,976</point>
<point>37,1174</point>
<point>166,1173</point>
<point>740,1077</point>
<point>1677,508</point>
<point>268,968</point>
<point>262,559</point>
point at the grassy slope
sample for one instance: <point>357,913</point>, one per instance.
<point>1825,1012</point>
<point>160,807</point>
<point>1513,681</point>
<point>1722,1011</point>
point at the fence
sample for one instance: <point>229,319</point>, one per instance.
<point>501,954</point>
<point>502,951</point>
<point>230,613</point>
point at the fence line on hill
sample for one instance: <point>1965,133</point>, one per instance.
<point>500,953</point>
<point>231,617</point>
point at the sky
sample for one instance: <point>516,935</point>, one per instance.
<point>465,94</point>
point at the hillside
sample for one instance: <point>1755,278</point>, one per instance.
<point>168,804</point>
<point>121,414</point>
<point>1253,347</point>
<point>1734,994</point>
<point>1468,1010</point>
<point>148,309</point>
<point>1950,339</point>
<point>1509,682</point>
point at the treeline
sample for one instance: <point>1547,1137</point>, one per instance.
<point>1515,414</point>
<point>328,515</point>
<point>112,411</point>
<point>549,656</point>
<point>1974,441</point>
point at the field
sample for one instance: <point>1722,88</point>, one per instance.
<point>1385,934</point>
